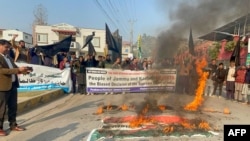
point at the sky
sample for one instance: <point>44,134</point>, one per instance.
<point>146,15</point>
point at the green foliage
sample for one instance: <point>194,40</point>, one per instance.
<point>214,50</point>
<point>231,45</point>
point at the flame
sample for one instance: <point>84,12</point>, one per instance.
<point>99,110</point>
<point>109,107</point>
<point>187,125</point>
<point>168,129</point>
<point>204,125</point>
<point>141,118</point>
<point>226,111</point>
<point>162,107</point>
<point>124,107</point>
<point>201,86</point>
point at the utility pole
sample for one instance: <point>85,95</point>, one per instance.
<point>131,34</point>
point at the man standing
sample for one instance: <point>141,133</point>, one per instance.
<point>220,77</point>
<point>211,78</point>
<point>21,52</point>
<point>8,87</point>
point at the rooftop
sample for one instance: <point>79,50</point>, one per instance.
<point>229,30</point>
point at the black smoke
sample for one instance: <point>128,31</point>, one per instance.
<point>202,15</point>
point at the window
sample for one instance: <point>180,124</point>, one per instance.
<point>9,34</point>
<point>26,37</point>
<point>95,41</point>
<point>126,50</point>
<point>42,38</point>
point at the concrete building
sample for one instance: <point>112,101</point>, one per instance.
<point>8,35</point>
<point>49,34</point>
<point>126,49</point>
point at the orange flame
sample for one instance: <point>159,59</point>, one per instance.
<point>187,125</point>
<point>99,110</point>
<point>204,125</point>
<point>226,111</point>
<point>124,107</point>
<point>141,119</point>
<point>168,129</point>
<point>162,107</point>
<point>193,106</point>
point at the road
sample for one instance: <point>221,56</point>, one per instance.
<point>71,118</point>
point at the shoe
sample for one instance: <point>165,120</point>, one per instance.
<point>88,93</point>
<point>17,128</point>
<point>2,133</point>
<point>106,93</point>
<point>111,93</point>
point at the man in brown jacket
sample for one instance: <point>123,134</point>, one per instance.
<point>8,87</point>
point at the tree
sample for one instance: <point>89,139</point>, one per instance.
<point>40,18</point>
<point>40,15</point>
<point>213,51</point>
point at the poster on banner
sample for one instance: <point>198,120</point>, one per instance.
<point>118,81</point>
<point>44,78</point>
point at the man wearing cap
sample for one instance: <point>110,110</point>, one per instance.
<point>8,87</point>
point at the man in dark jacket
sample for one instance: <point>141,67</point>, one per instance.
<point>220,77</point>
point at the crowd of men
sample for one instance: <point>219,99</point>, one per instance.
<point>235,79</point>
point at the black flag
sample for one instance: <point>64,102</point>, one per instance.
<point>91,49</point>
<point>236,54</point>
<point>53,49</point>
<point>110,41</point>
<point>191,43</point>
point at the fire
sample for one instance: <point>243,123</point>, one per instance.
<point>124,107</point>
<point>226,111</point>
<point>162,107</point>
<point>204,125</point>
<point>109,107</point>
<point>201,86</point>
<point>99,110</point>
<point>141,118</point>
<point>168,129</point>
<point>188,125</point>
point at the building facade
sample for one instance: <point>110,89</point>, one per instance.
<point>26,37</point>
<point>49,34</point>
<point>126,49</point>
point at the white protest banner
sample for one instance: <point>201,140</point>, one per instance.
<point>114,80</point>
<point>43,78</point>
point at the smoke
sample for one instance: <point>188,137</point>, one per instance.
<point>202,15</point>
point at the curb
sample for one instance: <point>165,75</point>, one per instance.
<point>41,99</point>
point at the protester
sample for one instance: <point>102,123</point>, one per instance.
<point>21,52</point>
<point>239,81</point>
<point>183,79</point>
<point>220,76</point>
<point>91,61</point>
<point>117,64</point>
<point>81,75</point>
<point>73,71</point>
<point>8,89</point>
<point>35,57</point>
<point>134,64</point>
<point>126,63</point>
<point>230,80</point>
<point>192,77</point>
<point>64,63</point>
<point>211,78</point>
<point>100,62</point>
<point>246,86</point>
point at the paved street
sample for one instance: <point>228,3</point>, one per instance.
<point>71,118</point>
